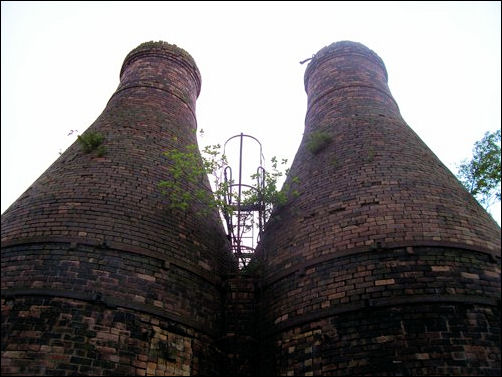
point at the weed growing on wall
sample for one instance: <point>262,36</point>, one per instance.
<point>317,141</point>
<point>92,141</point>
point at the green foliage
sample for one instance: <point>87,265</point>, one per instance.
<point>481,175</point>
<point>187,183</point>
<point>270,194</point>
<point>92,141</point>
<point>188,172</point>
<point>317,141</point>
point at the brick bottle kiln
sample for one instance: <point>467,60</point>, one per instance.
<point>383,264</point>
<point>97,275</point>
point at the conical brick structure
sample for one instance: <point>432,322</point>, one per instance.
<point>383,264</point>
<point>99,276</point>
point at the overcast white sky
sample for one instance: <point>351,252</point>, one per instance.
<point>60,64</point>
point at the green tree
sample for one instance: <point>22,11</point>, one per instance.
<point>481,174</point>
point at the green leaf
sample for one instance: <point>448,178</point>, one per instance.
<point>481,174</point>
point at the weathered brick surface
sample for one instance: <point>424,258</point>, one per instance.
<point>406,340</point>
<point>122,277</point>
<point>115,197</point>
<point>383,265</point>
<point>381,229</point>
<point>373,277</point>
<point>375,181</point>
<point>239,343</point>
<point>59,336</point>
<point>93,240</point>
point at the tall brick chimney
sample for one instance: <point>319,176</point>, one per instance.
<point>383,264</point>
<point>99,276</point>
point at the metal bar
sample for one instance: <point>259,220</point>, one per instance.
<point>260,173</point>
<point>239,197</point>
<point>252,137</point>
<point>228,200</point>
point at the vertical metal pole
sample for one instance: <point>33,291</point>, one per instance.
<point>259,185</point>
<point>239,200</point>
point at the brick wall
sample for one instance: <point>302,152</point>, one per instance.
<point>64,336</point>
<point>383,265</point>
<point>399,340</point>
<point>239,343</point>
<point>381,229</point>
<point>99,276</point>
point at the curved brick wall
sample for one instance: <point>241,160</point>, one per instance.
<point>381,229</point>
<point>98,275</point>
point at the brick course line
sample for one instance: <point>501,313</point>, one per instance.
<point>317,61</point>
<point>345,87</point>
<point>108,301</point>
<point>298,268</point>
<point>121,247</point>
<point>180,61</point>
<point>157,88</point>
<point>379,303</point>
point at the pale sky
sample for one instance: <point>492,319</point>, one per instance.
<point>60,64</point>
